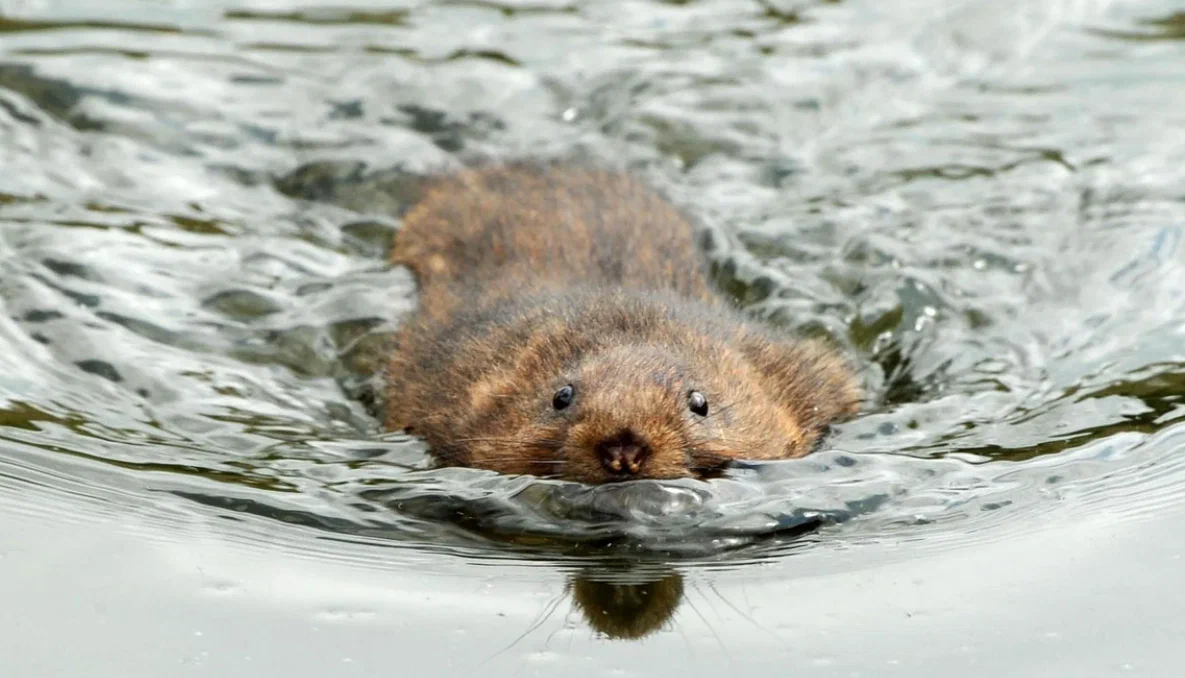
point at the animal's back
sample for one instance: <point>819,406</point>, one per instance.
<point>526,227</point>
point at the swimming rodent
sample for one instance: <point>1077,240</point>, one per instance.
<point>567,327</point>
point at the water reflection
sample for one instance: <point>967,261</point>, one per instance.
<point>1171,27</point>
<point>624,603</point>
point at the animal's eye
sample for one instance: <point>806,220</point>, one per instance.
<point>698,403</point>
<point>563,397</point>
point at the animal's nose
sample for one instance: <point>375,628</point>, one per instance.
<point>623,454</point>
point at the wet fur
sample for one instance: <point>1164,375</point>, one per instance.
<point>536,276</point>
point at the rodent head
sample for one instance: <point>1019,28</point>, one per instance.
<point>639,411</point>
<point>632,411</point>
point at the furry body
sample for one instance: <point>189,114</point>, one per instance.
<point>540,281</point>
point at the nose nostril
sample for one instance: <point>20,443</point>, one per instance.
<point>622,454</point>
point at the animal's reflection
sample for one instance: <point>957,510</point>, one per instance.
<point>626,604</point>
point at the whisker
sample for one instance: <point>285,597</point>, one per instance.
<point>540,442</point>
<point>553,462</point>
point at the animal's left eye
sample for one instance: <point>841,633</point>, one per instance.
<point>698,403</point>
<point>563,397</point>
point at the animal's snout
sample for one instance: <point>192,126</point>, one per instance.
<point>623,454</point>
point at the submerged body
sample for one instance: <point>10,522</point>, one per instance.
<point>567,327</point>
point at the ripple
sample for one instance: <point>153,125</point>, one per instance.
<point>194,284</point>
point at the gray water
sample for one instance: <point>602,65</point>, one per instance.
<point>982,201</point>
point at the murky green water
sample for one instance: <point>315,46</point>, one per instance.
<point>985,201</point>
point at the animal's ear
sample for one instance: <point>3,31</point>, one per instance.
<point>808,377</point>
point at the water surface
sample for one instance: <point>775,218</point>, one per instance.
<point>980,200</point>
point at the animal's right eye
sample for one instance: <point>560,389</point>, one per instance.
<point>563,397</point>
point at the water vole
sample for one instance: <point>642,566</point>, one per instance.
<point>567,327</point>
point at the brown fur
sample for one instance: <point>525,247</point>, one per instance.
<point>534,277</point>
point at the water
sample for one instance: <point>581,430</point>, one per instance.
<point>981,200</point>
